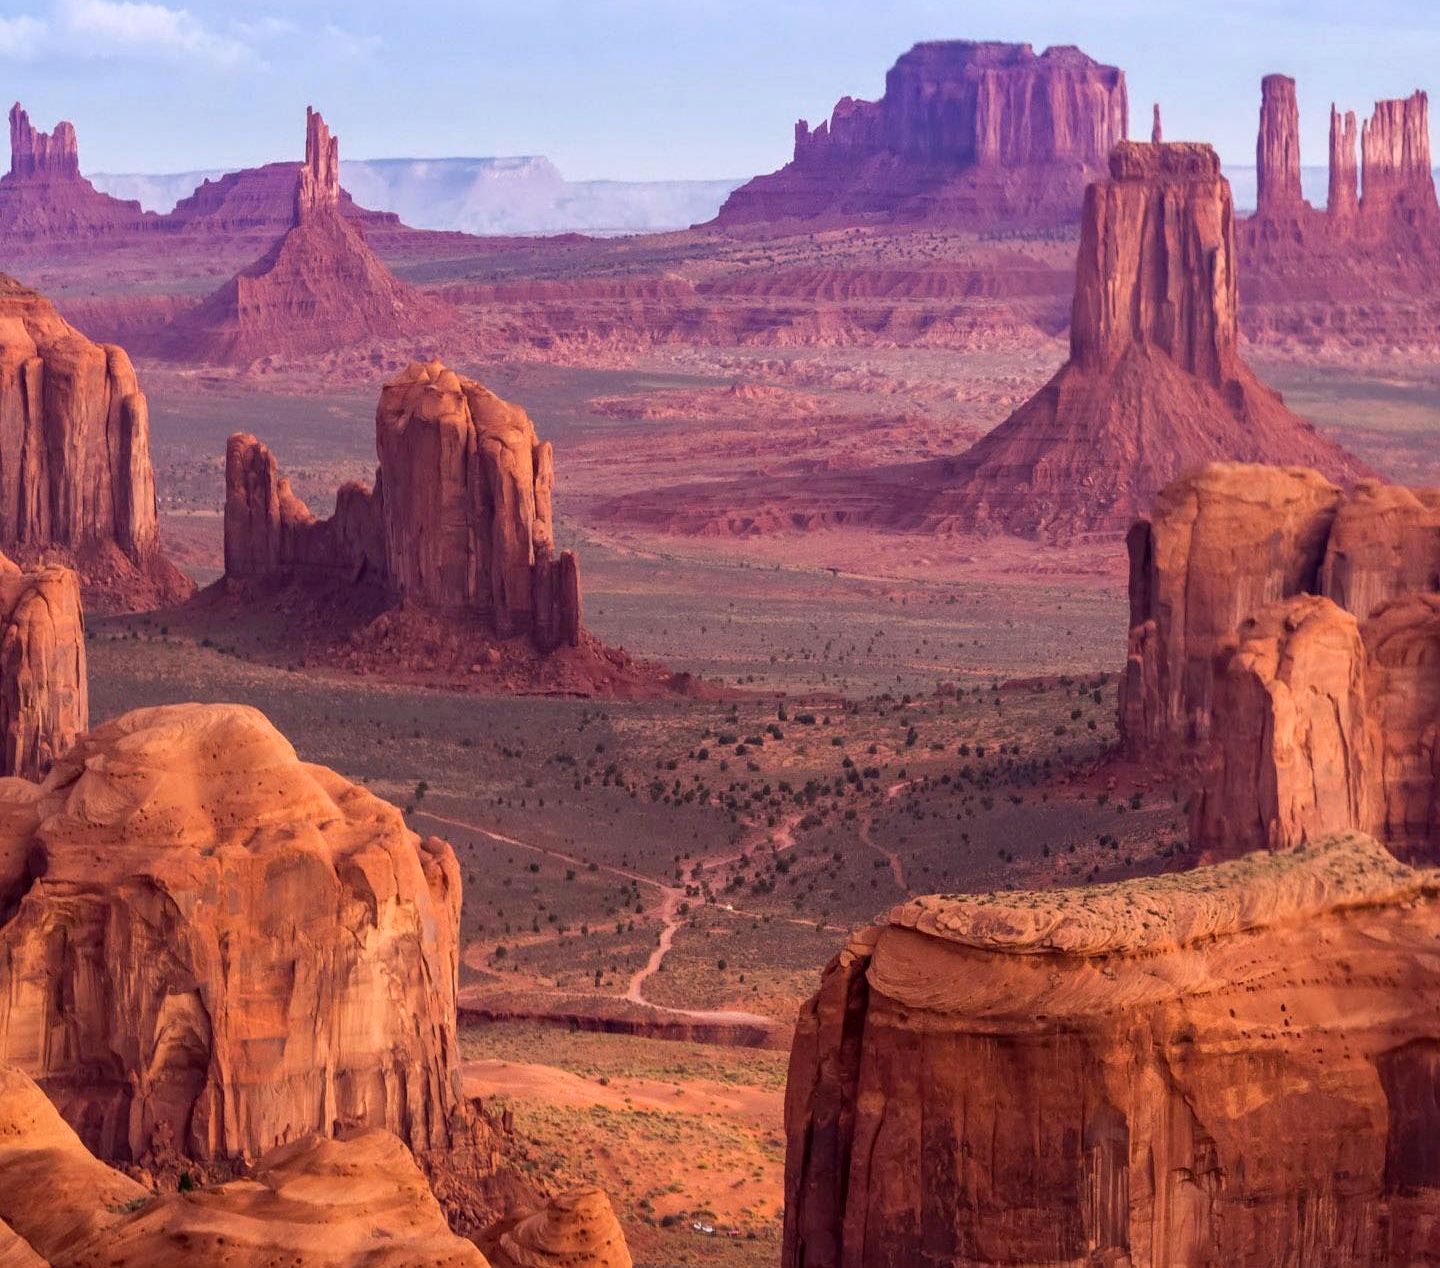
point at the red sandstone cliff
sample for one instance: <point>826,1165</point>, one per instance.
<point>318,288</point>
<point>1230,1066</point>
<point>982,134</point>
<point>78,484</point>
<point>44,700</point>
<point>1154,385</point>
<point>1277,152</point>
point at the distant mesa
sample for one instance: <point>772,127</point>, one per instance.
<point>80,488</point>
<point>1285,642</point>
<point>1228,1065</point>
<point>983,135</point>
<point>318,288</point>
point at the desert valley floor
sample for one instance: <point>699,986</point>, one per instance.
<point>652,886</point>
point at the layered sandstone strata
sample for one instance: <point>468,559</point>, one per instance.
<point>1234,1065</point>
<point>1277,151</point>
<point>980,134</point>
<point>1155,384</point>
<point>460,518</point>
<point>77,426</point>
<point>211,946</point>
<point>357,1202</point>
<point>44,695</point>
<point>320,287</point>
<point>575,1229</point>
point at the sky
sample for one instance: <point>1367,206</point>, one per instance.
<point>643,89</point>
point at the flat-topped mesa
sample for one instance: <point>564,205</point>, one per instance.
<point>1081,1052</point>
<point>265,948</point>
<point>1395,151</point>
<point>969,132</point>
<point>78,482</point>
<point>1155,384</point>
<point>40,155</point>
<point>1343,203</point>
<point>460,519</point>
<point>319,183</point>
<point>1277,150</point>
<point>44,689</point>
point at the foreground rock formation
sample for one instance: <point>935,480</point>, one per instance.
<point>79,486</point>
<point>978,134</point>
<point>44,693</point>
<point>1154,386</point>
<point>575,1229</point>
<point>1233,1065</point>
<point>212,947</point>
<point>356,1202</point>
<point>43,197</point>
<point>1285,639</point>
<point>318,288</point>
<point>460,518</point>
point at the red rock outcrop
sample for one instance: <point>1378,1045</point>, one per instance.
<point>1344,195</point>
<point>45,200</point>
<point>355,1202</point>
<point>80,485</point>
<point>210,946</point>
<point>978,134</point>
<point>44,693</point>
<point>575,1229</point>
<point>1154,386</point>
<point>320,287</point>
<point>460,519</point>
<point>1396,175</point>
<point>1228,1066</point>
<point>1277,152</point>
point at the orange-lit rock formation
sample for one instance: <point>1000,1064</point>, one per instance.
<point>78,484</point>
<point>1228,1066</point>
<point>575,1229</point>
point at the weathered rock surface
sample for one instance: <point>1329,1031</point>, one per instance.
<point>1277,152</point>
<point>575,1229</point>
<point>44,694</point>
<point>460,519</point>
<point>43,197</point>
<point>356,1202</point>
<point>1233,1065</point>
<point>211,946</point>
<point>79,484</point>
<point>971,133</point>
<point>1154,386</point>
<point>320,287</point>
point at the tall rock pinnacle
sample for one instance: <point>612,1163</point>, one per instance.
<point>1277,151</point>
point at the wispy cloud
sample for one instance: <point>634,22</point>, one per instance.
<point>21,37</point>
<point>118,27</point>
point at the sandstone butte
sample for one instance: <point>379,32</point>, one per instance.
<point>974,134</point>
<point>1233,1065</point>
<point>1317,275</point>
<point>44,691</point>
<point>318,288</point>
<point>355,1202</point>
<point>81,489</point>
<point>1154,385</point>
<point>43,197</point>
<point>460,518</point>
<point>1285,641</point>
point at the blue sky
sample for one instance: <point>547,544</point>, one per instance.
<point>642,88</point>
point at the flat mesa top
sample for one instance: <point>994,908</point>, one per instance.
<point>1164,160</point>
<point>1159,913</point>
<point>996,54</point>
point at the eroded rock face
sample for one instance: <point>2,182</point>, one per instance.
<point>575,1229</point>
<point>44,700</point>
<point>1052,1077</point>
<point>460,520</point>
<point>212,946</point>
<point>1277,153</point>
<point>357,1202</point>
<point>1395,153</point>
<point>80,482</point>
<point>318,288</point>
<point>1154,386</point>
<point>971,133</point>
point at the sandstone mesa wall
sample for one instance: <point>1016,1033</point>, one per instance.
<point>44,692</point>
<point>1234,1065</point>
<point>357,1202</point>
<point>1154,386</point>
<point>209,944</point>
<point>460,519</point>
<point>979,133</point>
